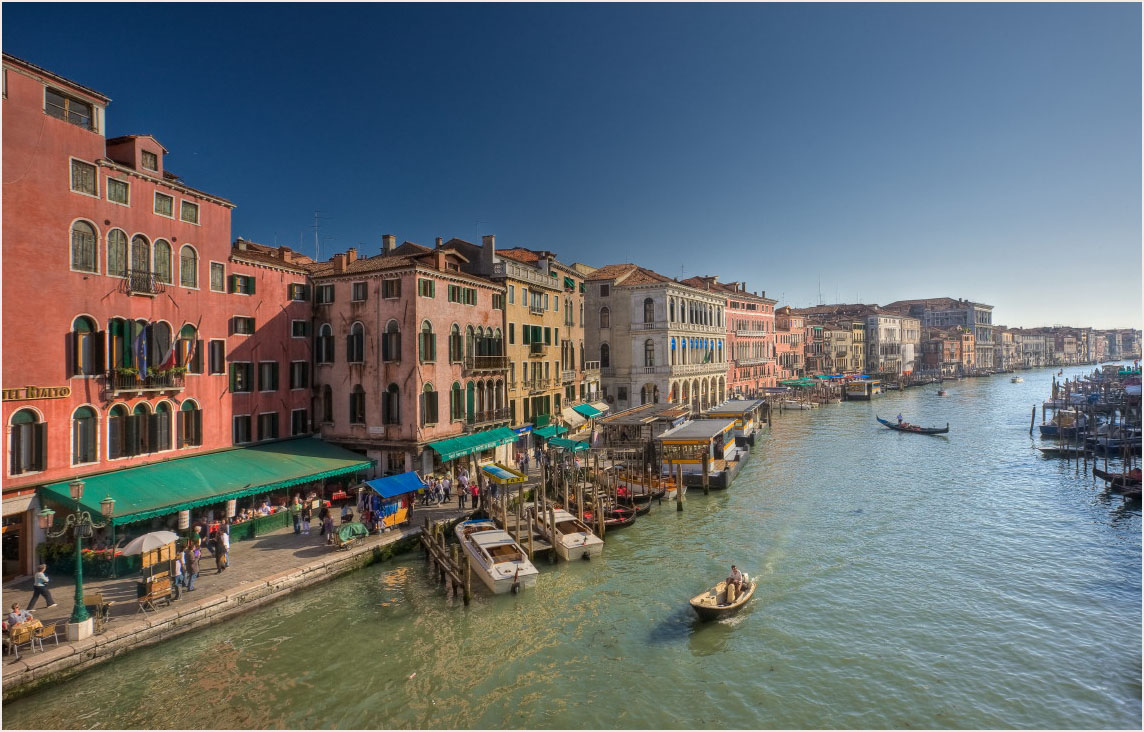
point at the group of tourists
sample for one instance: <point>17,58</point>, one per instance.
<point>439,490</point>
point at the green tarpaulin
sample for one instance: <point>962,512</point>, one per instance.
<point>570,283</point>
<point>456,447</point>
<point>549,432</point>
<point>354,530</point>
<point>176,485</point>
<point>569,445</point>
<point>587,410</point>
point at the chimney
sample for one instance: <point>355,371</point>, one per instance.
<point>339,261</point>
<point>488,253</point>
<point>351,255</point>
<point>241,244</point>
<point>440,242</point>
<point>286,254</point>
<point>388,243</point>
<point>439,260</point>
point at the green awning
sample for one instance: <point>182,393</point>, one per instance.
<point>176,485</point>
<point>569,282</point>
<point>569,445</point>
<point>550,431</point>
<point>587,410</point>
<point>456,447</point>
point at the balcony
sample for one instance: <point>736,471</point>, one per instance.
<point>142,282</point>
<point>121,383</point>
<point>503,414</point>
<point>651,369</point>
<point>753,361</point>
<point>608,371</point>
<point>568,376</point>
<point>536,308</point>
<point>591,369</point>
<point>508,268</point>
<point>537,349</point>
<point>482,364</point>
<point>654,325</point>
<point>751,333</point>
<point>700,368</point>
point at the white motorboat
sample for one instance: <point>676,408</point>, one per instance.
<point>495,557</point>
<point>1017,379</point>
<point>791,404</point>
<point>572,538</point>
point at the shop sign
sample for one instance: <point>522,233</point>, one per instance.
<point>24,393</point>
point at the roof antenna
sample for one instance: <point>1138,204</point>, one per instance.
<point>317,247</point>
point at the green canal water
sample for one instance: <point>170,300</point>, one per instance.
<point>906,581</point>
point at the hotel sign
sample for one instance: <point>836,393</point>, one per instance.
<point>25,393</point>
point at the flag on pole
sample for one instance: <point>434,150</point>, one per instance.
<point>139,347</point>
<point>166,352</point>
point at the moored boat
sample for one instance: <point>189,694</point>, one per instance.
<point>571,537</point>
<point>907,427</point>
<point>1119,480</point>
<point>495,557</point>
<point>713,604</point>
<point>616,517</point>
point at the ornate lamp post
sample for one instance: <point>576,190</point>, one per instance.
<point>84,527</point>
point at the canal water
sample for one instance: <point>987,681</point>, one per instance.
<point>906,581</point>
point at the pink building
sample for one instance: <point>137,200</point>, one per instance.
<point>750,319</point>
<point>790,337</point>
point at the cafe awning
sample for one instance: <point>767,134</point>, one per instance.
<point>456,447</point>
<point>569,445</point>
<point>587,410</point>
<point>396,485</point>
<point>550,431</point>
<point>177,485</point>
<point>572,417</point>
<point>569,283</point>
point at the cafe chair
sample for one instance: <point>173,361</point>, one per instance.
<point>21,635</point>
<point>46,631</point>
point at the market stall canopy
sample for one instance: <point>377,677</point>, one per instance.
<point>602,406</point>
<point>456,447</point>
<point>587,410</point>
<point>396,485</point>
<point>176,485</point>
<point>569,445</point>
<point>572,417</point>
<point>550,432</point>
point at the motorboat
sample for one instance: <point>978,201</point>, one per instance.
<point>495,557</point>
<point>792,404</point>
<point>714,604</point>
<point>1017,380</point>
<point>570,537</point>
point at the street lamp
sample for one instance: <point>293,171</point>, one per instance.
<point>81,522</point>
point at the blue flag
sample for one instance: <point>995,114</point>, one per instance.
<point>140,349</point>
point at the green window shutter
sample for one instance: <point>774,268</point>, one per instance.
<point>232,283</point>
<point>250,285</point>
<point>525,334</point>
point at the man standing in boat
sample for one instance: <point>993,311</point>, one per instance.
<point>899,418</point>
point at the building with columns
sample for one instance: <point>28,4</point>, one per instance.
<point>656,339</point>
<point>942,312</point>
<point>750,320</point>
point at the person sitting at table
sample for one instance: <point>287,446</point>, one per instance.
<point>264,509</point>
<point>17,615</point>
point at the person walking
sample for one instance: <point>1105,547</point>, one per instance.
<point>328,528</point>
<point>446,489</point>
<point>307,515</point>
<point>40,588</point>
<point>461,497</point>
<point>474,491</point>
<point>222,556</point>
<point>191,562</point>
<point>322,516</point>
<point>177,574</point>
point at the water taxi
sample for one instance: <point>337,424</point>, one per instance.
<point>495,557</point>
<point>571,538</point>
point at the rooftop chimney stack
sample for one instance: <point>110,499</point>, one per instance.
<point>339,261</point>
<point>388,243</point>
<point>440,242</point>
<point>351,255</point>
<point>488,253</point>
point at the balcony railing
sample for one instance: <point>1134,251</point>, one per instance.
<point>752,361</point>
<point>506,268</point>
<point>121,382</point>
<point>749,333</point>
<point>142,282</point>
<point>486,363</point>
<point>568,376</point>
<point>654,325</point>
<point>536,308</point>
<point>608,371</point>
<point>537,349</point>
<point>502,414</point>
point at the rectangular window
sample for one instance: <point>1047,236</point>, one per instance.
<point>241,325</point>
<point>298,292</point>
<point>268,376</point>
<point>511,294</point>
<point>299,374</point>
<point>604,293</point>
<point>498,301</point>
<point>268,426</point>
<point>118,191</point>
<point>164,205</point>
<point>324,294</point>
<point>391,288</point>
<point>426,288</point>
<point>149,160</point>
<point>299,422</point>
<point>189,212</point>
<point>241,377</point>
<point>511,333</point>
<point>299,329</point>
<point>218,277</point>
<point>359,292</point>
<point>241,429</point>
<point>242,284</point>
<point>83,178</point>
<point>217,357</point>
<point>61,106</point>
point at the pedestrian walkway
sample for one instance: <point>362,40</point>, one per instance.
<point>250,562</point>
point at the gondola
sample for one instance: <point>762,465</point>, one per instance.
<point>907,427</point>
<point>713,605</point>
<point>641,504</point>
<point>618,517</point>
<point>1119,480</point>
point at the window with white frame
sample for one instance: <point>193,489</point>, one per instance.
<point>189,212</point>
<point>83,178</point>
<point>83,247</point>
<point>164,205</point>
<point>69,109</point>
<point>119,191</point>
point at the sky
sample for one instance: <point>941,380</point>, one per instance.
<point>820,152</point>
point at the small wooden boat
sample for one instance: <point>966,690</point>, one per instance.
<point>907,427</point>
<point>713,605</point>
<point>1119,480</point>
<point>942,392</point>
<point>1017,380</point>
<point>617,517</point>
<point>495,557</point>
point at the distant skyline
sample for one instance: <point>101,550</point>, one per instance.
<point>869,153</point>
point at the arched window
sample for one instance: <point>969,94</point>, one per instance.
<point>428,405</point>
<point>391,343</point>
<point>605,356</point>
<point>498,343</point>
<point>427,343</point>
<point>140,255</point>
<point>140,434</point>
<point>85,422</point>
<point>117,432</point>
<point>355,344</point>
<point>357,405</point>
<point>605,317</point>
<point>116,253</point>
<point>456,401</point>
<point>188,266</point>
<point>162,430</point>
<point>159,346</point>
<point>456,345</point>
<point>649,353</point>
<point>324,348</point>
<point>83,247</point>
<point>470,342</point>
<point>87,347</point>
<point>327,404</point>
<point>163,261</point>
<point>391,406</point>
<point>188,349</point>
<point>28,444</point>
<point>190,424</point>
<point>581,355</point>
<point>648,310</point>
<point>671,309</point>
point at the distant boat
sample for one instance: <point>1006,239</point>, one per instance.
<point>1017,379</point>
<point>942,392</point>
<point>907,427</point>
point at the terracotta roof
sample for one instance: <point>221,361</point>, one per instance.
<point>408,248</point>
<point>520,254</point>
<point>366,264</point>
<point>627,274</point>
<point>934,303</point>
<point>121,138</point>
<point>255,252</point>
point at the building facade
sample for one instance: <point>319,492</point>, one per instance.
<point>750,321</point>
<point>942,312</point>
<point>790,338</point>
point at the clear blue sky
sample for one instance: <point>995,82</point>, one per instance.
<point>984,151</point>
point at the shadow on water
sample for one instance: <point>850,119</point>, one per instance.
<point>673,628</point>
